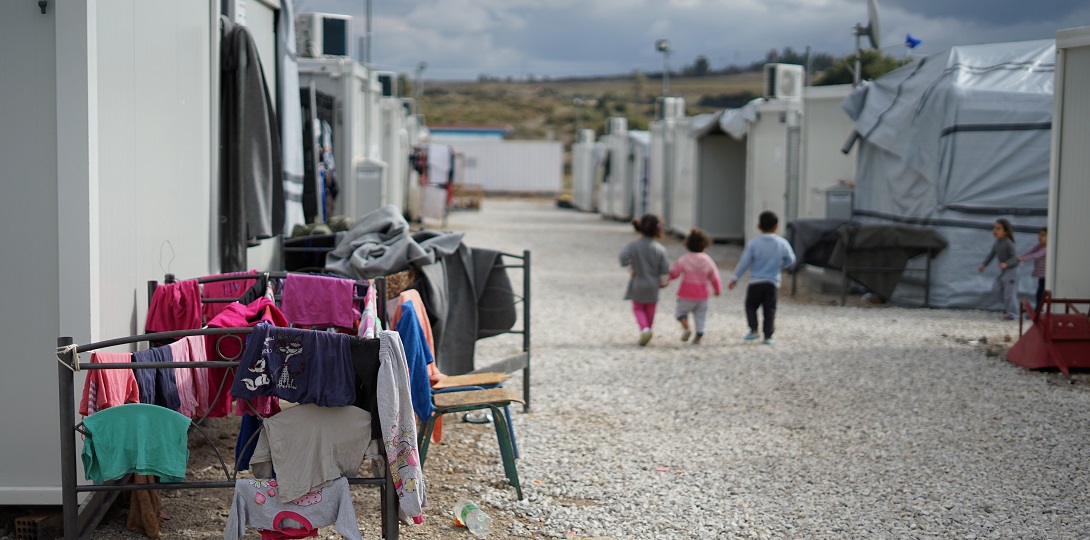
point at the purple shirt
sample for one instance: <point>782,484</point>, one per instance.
<point>301,366</point>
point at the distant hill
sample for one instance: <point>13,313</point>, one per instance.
<point>546,109</point>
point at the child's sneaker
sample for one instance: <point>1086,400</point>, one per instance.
<point>751,336</point>
<point>769,341</point>
<point>645,336</point>
<point>698,339</point>
<point>686,335</point>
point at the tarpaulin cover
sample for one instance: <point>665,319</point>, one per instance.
<point>876,255</point>
<point>954,141</point>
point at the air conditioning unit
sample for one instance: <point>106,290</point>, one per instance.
<point>669,107</point>
<point>616,125</point>
<point>783,81</point>
<point>388,81</point>
<point>322,34</point>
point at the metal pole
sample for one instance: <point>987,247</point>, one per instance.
<point>367,53</point>
<point>526,328</point>
<point>66,402</point>
<point>858,56</point>
<point>665,74</point>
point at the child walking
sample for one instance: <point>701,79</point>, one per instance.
<point>648,268</point>
<point>1006,284</point>
<point>697,270</point>
<point>767,255</point>
<point>1037,255</point>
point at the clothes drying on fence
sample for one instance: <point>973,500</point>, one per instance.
<point>175,306</point>
<point>365,361</point>
<point>301,366</point>
<point>183,379</point>
<point>399,428</point>
<point>246,442</point>
<point>417,356</point>
<point>233,288</point>
<point>135,438</point>
<point>310,300</point>
<point>230,347</point>
<point>260,504</point>
<point>469,296</point>
<point>380,244</point>
<point>195,350</point>
<point>157,386</point>
<point>370,324</point>
<point>105,388</point>
<point>309,445</point>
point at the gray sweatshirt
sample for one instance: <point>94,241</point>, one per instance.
<point>1003,251</point>
<point>647,258</point>
<point>395,413</point>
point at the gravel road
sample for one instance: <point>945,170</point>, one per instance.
<point>862,421</point>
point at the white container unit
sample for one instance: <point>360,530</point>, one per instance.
<point>395,151</point>
<point>825,129</point>
<point>662,133</point>
<point>708,188</point>
<point>501,166</point>
<point>584,162</point>
<point>356,130</point>
<point>615,188</point>
<point>639,171</point>
<point>109,145</point>
<point>773,151</point>
<point>1068,248</point>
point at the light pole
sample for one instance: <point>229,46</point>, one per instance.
<point>418,90</point>
<point>663,46</point>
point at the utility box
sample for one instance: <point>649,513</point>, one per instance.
<point>838,201</point>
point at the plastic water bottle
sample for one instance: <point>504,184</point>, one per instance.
<point>469,515</point>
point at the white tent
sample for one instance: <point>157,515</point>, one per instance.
<point>955,141</point>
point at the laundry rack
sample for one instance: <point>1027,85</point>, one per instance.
<point>67,354</point>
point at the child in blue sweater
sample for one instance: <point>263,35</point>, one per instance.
<point>765,257</point>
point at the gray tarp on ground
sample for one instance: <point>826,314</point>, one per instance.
<point>876,255</point>
<point>955,141</point>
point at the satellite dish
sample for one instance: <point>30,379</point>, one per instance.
<point>871,30</point>
<point>873,33</point>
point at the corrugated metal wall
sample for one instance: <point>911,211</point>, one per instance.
<point>511,166</point>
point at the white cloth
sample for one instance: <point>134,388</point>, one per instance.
<point>395,412</point>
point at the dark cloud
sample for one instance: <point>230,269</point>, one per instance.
<point>992,12</point>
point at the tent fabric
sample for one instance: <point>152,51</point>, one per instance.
<point>955,141</point>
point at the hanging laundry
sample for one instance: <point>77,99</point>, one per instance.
<point>230,347</point>
<point>417,357</point>
<point>183,379</point>
<point>321,301</point>
<point>301,366</point>
<point>195,345</point>
<point>175,306</point>
<point>233,288</point>
<point>370,325</point>
<point>395,411</point>
<point>291,116</point>
<point>258,503</point>
<point>106,388</point>
<point>252,187</point>
<point>157,386</point>
<point>136,438</point>
<point>309,445</point>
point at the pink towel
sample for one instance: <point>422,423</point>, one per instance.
<point>183,379</point>
<point>319,301</point>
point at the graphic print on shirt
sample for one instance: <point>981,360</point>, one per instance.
<point>289,345</point>
<point>405,456</point>
<point>266,489</point>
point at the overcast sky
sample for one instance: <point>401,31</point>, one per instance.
<point>461,39</point>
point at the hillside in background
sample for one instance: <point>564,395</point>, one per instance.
<point>547,109</point>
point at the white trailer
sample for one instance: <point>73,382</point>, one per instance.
<point>584,164</point>
<point>615,189</point>
<point>1068,248</point>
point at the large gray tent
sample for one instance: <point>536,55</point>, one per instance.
<point>954,141</point>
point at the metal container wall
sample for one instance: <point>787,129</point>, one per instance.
<point>511,166</point>
<point>1068,251</point>
<point>825,127</point>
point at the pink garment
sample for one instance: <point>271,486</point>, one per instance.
<point>645,314</point>
<point>197,353</point>
<point>696,270</point>
<point>183,379</point>
<point>367,329</point>
<point>319,301</point>
<point>234,288</point>
<point>1037,255</point>
<point>105,388</point>
<point>175,306</point>
<point>230,347</point>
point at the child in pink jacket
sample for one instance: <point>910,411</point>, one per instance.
<point>696,270</point>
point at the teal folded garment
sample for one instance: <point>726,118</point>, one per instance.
<point>136,438</point>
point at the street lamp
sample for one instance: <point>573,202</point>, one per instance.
<point>663,46</point>
<point>418,90</point>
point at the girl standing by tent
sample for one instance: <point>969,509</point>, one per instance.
<point>1003,252</point>
<point>648,268</point>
